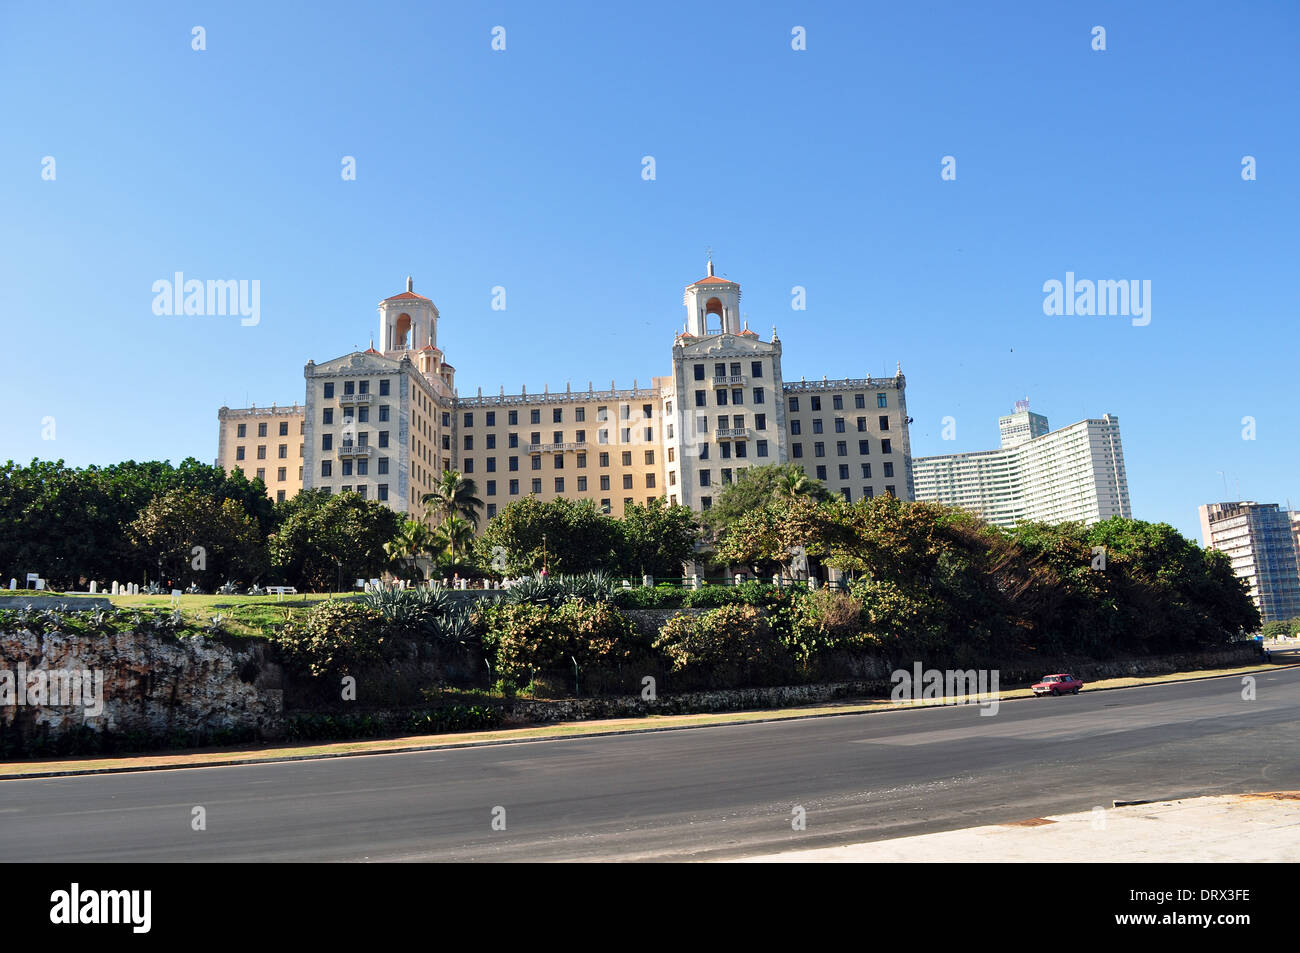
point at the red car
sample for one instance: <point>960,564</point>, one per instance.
<point>1060,684</point>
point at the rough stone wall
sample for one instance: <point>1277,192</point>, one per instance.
<point>151,684</point>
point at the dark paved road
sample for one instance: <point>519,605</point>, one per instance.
<point>697,794</point>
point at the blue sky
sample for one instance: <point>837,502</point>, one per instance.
<point>522,169</point>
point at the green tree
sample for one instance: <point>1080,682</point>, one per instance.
<point>328,538</point>
<point>570,535</point>
<point>757,486</point>
<point>656,538</point>
<point>454,495</point>
<point>413,540</point>
<point>188,535</point>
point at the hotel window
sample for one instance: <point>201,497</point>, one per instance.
<point>580,437</point>
<point>625,435</point>
<point>889,469</point>
<point>469,419</point>
<point>604,506</point>
<point>889,488</point>
<point>864,447</point>
<point>284,451</point>
<point>759,396</point>
<point>762,448</point>
<point>649,434</point>
<point>796,427</point>
<point>726,474</point>
<point>724,450</point>
<point>491,487</point>
<point>817,425</point>
<point>491,418</point>
<point>625,411</point>
<point>881,400</point>
<point>281,474</point>
<point>364,387</point>
<point>514,464</point>
<point>512,440</point>
<point>491,510</point>
<point>670,431</point>
<point>469,441</point>
<point>284,428</point>
<point>627,481</point>
<point>672,477</point>
<point>446,441</point>
<point>627,458</point>
<point>884,422</point>
<point>737,395</point>
<point>279,496</point>
<point>383,391</point>
<point>821,472</point>
<point>346,488</point>
<point>383,466</point>
<point>446,419</point>
<point>839,425</point>
<point>741,448</point>
<point>868,493</point>
<point>886,447</point>
<point>537,485</point>
<point>756,369</point>
<point>602,436</point>
<point>602,413</point>
<point>468,465</point>
<point>514,487</point>
<point>327,468</point>
<point>261,474</point>
<point>844,471</point>
<point>848,496</point>
<point>650,457</point>
<point>760,421</point>
<point>300,473</point>
<point>672,454</point>
<point>537,462</point>
<point>816,403</point>
<point>491,464</point>
<point>650,480</point>
<point>383,413</point>
<point>535,438</point>
<point>699,372</point>
<point>348,387</point>
<point>580,414</point>
<point>261,430</point>
<point>239,453</point>
<point>363,467</point>
<point>647,411</point>
<point>866,471</point>
<point>582,484</point>
<point>668,407</point>
<point>837,402</point>
<point>241,431</point>
<point>704,478</point>
<point>604,459</point>
<point>557,415</point>
<point>604,481</point>
<point>382,491</point>
<point>347,468</point>
<point>859,401</point>
<point>796,450</point>
<point>261,452</point>
<point>513,417</point>
<point>559,461</point>
<point>582,461</point>
<point>862,425</point>
<point>559,484</point>
<point>704,451</point>
<point>534,416</point>
<point>699,398</point>
<point>841,448</point>
<point>491,441</point>
<point>722,398</point>
<point>706,502</point>
<point>383,438</point>
<point>329,390</point>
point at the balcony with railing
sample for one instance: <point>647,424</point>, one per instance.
<point>349,449</point>
<point>729,380</point>
<point>346,399</point>
<point>556,447</point>
<point>731,433</point>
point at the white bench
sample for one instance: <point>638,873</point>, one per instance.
<point>281,591</point>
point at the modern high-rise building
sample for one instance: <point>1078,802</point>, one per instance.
<point>1072,474</point>
<point>386,422</point>
<point>1260,540</point>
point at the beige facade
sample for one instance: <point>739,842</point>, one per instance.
<point>266,443</point>
<point>386,423</point>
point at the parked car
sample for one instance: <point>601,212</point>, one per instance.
<point>1059,684</point>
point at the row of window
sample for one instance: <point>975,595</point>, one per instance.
<point>357,387</point>
<point>362,490</point>
<point>796,426</point>
<point>362,439</point>
<point>283,452</point>
<point>362,417</point>
<point>837,401</point>
<point>737,396</point>
<point>281,474</point>
<point>842,448</point>
<point>467,464</point>
<point>241,430</point>
<point>557,436</point>
<point>346,467</point>
<point>557,415</point>
<point>512,486</point>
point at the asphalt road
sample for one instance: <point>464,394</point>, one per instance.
<point>685,795</point>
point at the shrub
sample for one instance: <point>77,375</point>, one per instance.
<point>824,620</point>
<point>732,640</point>
<point>530,637</point>
<point>334,638</point>
<point>641,597</point>
<point>411,612</point>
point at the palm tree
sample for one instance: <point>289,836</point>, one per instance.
<point>412,541</point>
<point>794,482</point>
<point>453,533</point>
<point>454,495</point>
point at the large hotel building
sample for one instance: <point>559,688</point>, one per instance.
<point>1037,475</point>
<point>386,422</point>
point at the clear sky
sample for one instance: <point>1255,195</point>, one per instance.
<point>522,169</point>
